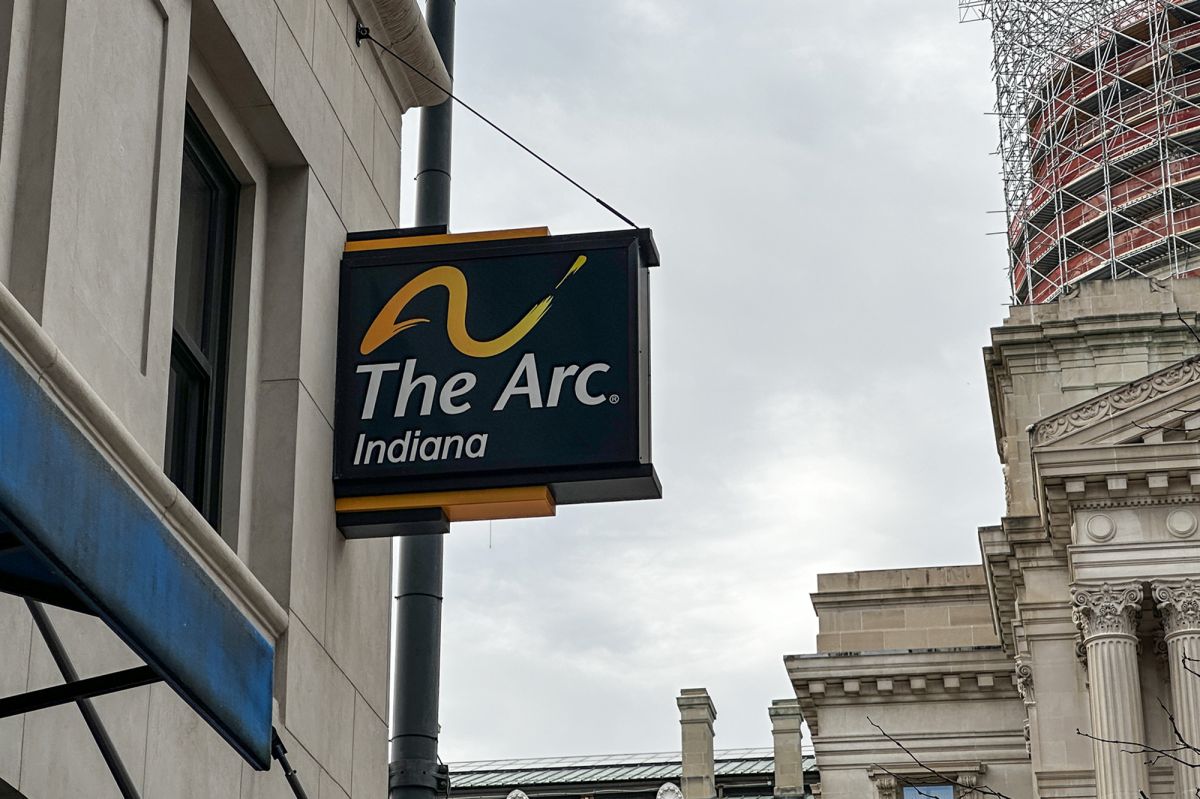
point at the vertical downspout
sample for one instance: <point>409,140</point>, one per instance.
<point>416,674</point>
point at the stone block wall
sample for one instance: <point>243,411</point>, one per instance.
<point>1046,358</point>
<point>90,149</point>
<point>900,609</point>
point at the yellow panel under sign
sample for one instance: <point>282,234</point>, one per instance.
<point>462,506</point>
<point>446,238</point>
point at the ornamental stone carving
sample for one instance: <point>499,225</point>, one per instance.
<point>1123,399</point>
<point>1101,527</point>
<point>1181,523</point>
<point>1179,604</point>
<point>966,786</point>
<point>1161,650</point>
<point>669,790</point>
<point>1106,609</point>
<point>886,787</point>
<point>1025,682</point>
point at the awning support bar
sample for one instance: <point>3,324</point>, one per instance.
<point>76,691</point>
<point>279,752</point>
<point>91,718</point>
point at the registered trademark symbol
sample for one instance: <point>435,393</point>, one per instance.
<point>613,399</point>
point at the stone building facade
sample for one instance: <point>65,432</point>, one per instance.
<point>1077,628</point>
<point>911,653</point>
<point>111,257</point>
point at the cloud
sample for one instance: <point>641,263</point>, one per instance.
<point>817,177</point>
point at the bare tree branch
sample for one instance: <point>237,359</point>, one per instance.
<point>1180,428</point>
<point>1152,753</point>
<point>1184,744</point>
<point>981,790</point>
<point>1191,329</point>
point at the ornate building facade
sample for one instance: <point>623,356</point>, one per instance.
<point>1063,666</point>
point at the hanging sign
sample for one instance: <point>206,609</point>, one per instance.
<point>490,375</point>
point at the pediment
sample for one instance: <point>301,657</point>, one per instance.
<point>1162,407</point>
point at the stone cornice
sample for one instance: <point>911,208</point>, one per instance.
<point>879,599</point>
<point>1097,462</point>
<point>1127,476</point>
<point>1135,561</point>
<point>1003,578</point>
<point>919,771</point>
<point>924,675</point>
<point>1118,401</point>
<point>1020,543</point>
<point>1101,319</point>
<point>29,344</point>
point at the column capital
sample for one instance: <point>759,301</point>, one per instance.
<point>1179,603</point>
<point>1106,609</point>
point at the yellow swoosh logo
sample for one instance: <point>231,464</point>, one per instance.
<point>388,323</point>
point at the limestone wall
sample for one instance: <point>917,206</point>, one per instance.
<point>1046,358</point>
<point>90,150</point>
<point>903,609</point>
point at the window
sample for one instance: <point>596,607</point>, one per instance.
<point>929,792</point>
<point>200,338</point>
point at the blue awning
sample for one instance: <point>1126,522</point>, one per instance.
<point>75,532</point>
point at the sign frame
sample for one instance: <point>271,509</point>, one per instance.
<point>396,504</point>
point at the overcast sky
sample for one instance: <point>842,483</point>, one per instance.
<point>818,177</point>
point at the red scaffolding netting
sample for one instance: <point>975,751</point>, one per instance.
<point>1099,113</point>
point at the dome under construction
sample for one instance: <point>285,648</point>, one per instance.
<point>1099,111</point>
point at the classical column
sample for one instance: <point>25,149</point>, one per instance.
<point>1179,603</point>
<point>1107,615</point>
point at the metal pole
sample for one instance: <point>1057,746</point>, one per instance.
<point>433,151</point>
<point>416,672</point>
<point>413,767</point>
<point>279,752</point>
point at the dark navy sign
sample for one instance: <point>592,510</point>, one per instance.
<point>498,363</point>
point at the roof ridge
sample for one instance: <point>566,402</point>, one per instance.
<point>615,759</point>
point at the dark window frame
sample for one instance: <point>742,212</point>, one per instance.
<point>196,432</point>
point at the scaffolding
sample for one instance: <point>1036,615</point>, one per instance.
<point>1098,104</point>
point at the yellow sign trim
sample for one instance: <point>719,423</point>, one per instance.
<point>447,238</point>
<point>462,506</point>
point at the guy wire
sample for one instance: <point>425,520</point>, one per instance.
<point>364,33</point>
